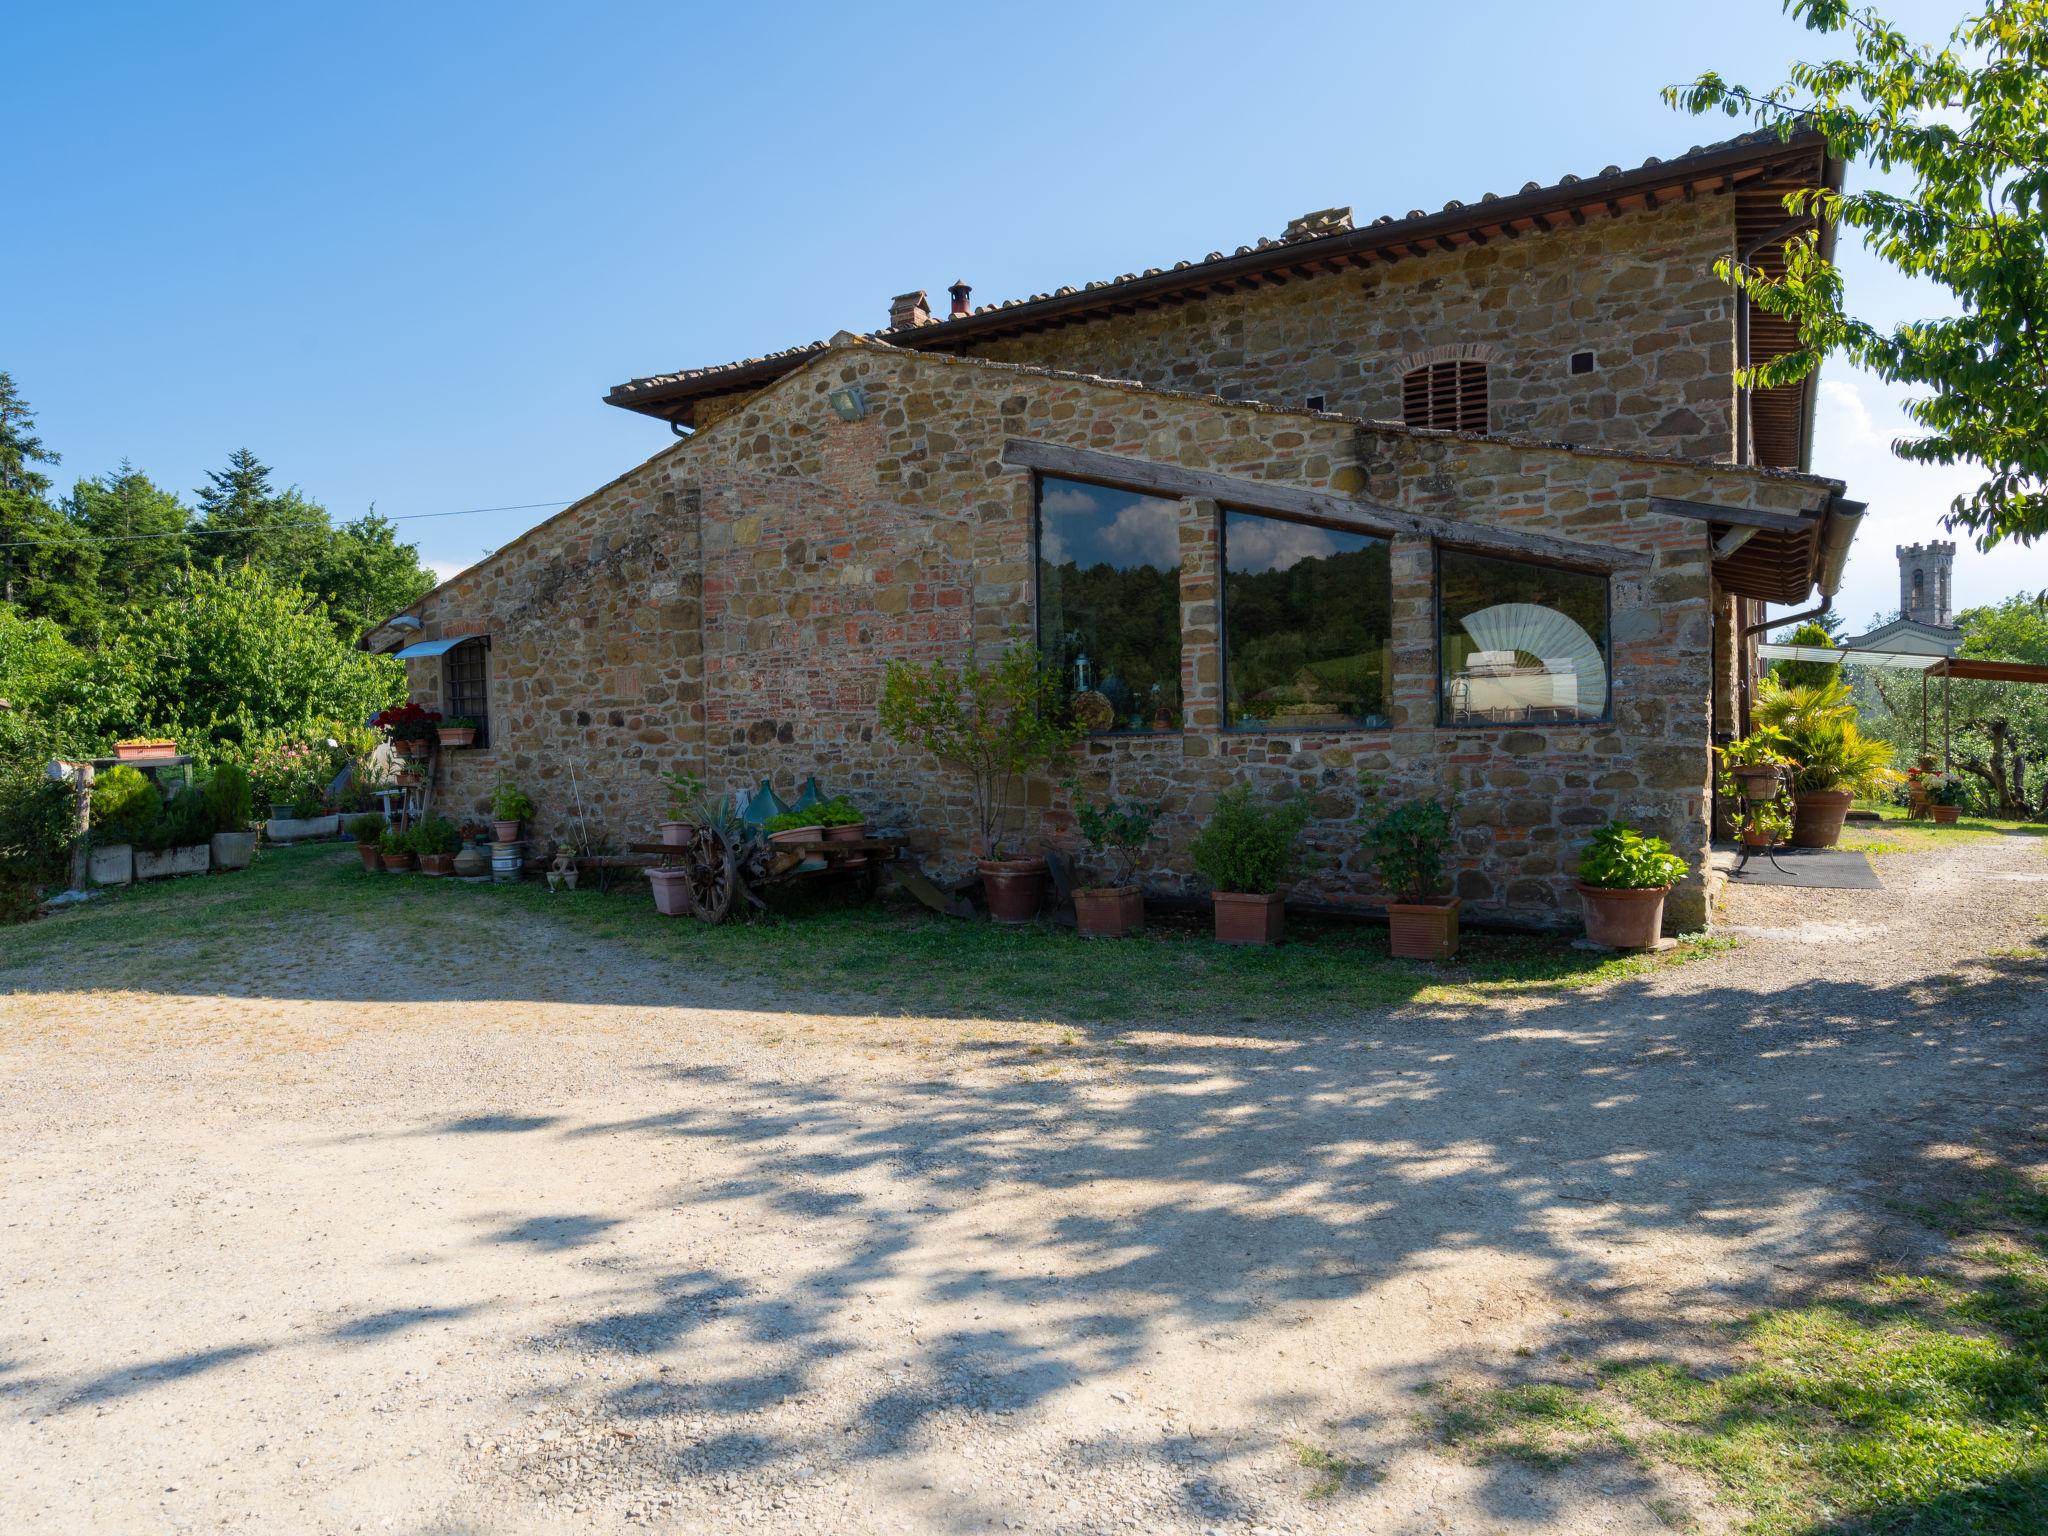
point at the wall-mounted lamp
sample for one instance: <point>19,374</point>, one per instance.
<point>850,401</point>
<point>402,621</point>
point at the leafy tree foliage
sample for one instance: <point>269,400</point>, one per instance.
<point>1807,674</point>
<point>1968,125</point>
<point>133,522</point>
<point>44,565</point>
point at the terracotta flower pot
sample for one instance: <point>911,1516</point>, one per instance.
<point>1757,783</point>
<point>1015,888</point>
<point>1752,838</point>
<point>371,857</point>
<point>1945,815</point>
<point>1624,919</point>
<point>1109,911</point>
<point>437,863</point>
<point>396,863</point>
<point>144,751</point>
<point>459,736</point>
<point>847,834</point>
<point>505,831</point>
<point>671,891</point>
<point>1817,817</point>
<point>1423,930</point>
<point>789,835</point>
<point>677,834</point>
<point>405,778</point>
<point>1243,918</point>
<point>412,747</point>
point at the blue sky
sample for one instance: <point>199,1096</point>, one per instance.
<point>401,251</point>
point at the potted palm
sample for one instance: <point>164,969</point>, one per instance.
<point>998,723</point>
<point>685,790</point>
<point>1117,831</point>
<point>435,841</point>
<point>1624,877</point>
<point>1246,850</point>
<point>1833,761</point>
<point>509,807</point>
<point>231,808</point>
<point>394,850</point>
<point>367,829</point>
<point>1408,846</point>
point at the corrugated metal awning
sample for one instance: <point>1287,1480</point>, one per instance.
<point>434,647</point>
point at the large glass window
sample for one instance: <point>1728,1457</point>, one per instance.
<point>1519,642</point>
<point>1109,603</point>
<point>1306,625</point>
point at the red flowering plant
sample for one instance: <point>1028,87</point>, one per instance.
<point>407,722</point>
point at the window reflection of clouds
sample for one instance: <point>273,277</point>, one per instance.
<point>1094,525</point>
<point>1266,544</point>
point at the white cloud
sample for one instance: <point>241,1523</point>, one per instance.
<point>445,570</point>
<point>1858,418</point>
<point>1267,544</point>
<point>1144,532</point>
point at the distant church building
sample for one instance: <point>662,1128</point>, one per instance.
<point>1926,624</point>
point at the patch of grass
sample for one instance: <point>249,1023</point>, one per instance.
<point>1896,834</point>
<point>1911,1403</point>
<point>1332,1471</point>
<point>895,957</point>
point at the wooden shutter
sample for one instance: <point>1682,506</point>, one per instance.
<point>1449,396</point>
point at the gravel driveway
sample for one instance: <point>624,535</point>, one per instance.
<point>589,1242</point>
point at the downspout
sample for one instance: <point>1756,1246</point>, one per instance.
<point>1744,432</point>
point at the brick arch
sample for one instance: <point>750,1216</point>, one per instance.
<point>1450,352</point>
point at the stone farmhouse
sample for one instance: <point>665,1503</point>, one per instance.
<point>1460,503</point>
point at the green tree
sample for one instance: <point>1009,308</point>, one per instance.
<point>363,575</point>
<point>248,521</point>
<point>1807,674</point>
<point>135,523</point>
<point>46,566</point>
<point>1968,126</point>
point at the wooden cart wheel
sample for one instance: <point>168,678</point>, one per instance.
<point>713,875</point>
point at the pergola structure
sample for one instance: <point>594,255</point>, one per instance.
<point>1949,669</point>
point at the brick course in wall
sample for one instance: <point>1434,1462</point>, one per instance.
<point>731,604</point>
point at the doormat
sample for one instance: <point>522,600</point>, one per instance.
<point>1816,869</point>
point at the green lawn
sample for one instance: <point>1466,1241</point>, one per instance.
<point>893,956</point>
<point>1911,1402</point>
<point>1898,835</point>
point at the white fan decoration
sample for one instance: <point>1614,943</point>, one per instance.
<point>1573,675</point>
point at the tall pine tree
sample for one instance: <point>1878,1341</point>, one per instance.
<point>46,568</point>
<point>248,521</point>
<point>136,525</point>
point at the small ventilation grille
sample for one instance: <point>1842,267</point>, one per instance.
<point>1450,396</point>
<point>1582,362</point>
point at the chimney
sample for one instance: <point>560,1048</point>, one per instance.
<point>908,309</point>
<point>960,291</point>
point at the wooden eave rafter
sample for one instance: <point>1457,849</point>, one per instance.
<point>1351,514</point>
<point>1775,563</point>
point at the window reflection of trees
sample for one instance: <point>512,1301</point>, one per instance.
<point>1109,603</point>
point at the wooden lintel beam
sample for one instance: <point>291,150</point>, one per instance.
<point>1350,513</point>
<point>1739,517</point>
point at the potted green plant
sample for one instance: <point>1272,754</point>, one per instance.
<point>1246,850</point>
<point>413,727</point>
<point>457,731</point>
<point>804,825</point>
<point>145,749</point>
<point>1755,765</point>
<point>1408,845</point>
<point>509,807</point>
<point>1623,879</point>
<point>231,808</point>
<point>394,850</point>
<point>1947,794</point>
<point>367,830</point>
<point>999,723</point>
<point>178,842</point>
<point>1766,824</point>
<point>685,791</point>
<point>125,805</point>
<point>843,821</point>
<point>435,841</point>
<point>1834,761</point>
<point>1117,831</point>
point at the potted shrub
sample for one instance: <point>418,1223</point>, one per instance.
<point>1766,825</point>
<point>367,829</point>
<point>125,805</point>
<point>685,790</point>
<point>1834,761</point>
<point>799,826</point>
<point>1947,794</point>
<point>1245,851</point>
<point>394,850</point>
<point>456,731</point>
<point>1755,765</point>
<point>1408,846</point>
<point>1623,879</point>
<point>434,842</point>
<point>509,807</point>
<point>145,749</point>
<point>1117,831</point>
<point>179,841</point>
<point>998,723</point>
<point>231,807</point>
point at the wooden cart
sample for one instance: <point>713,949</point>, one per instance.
<point>726,867</point>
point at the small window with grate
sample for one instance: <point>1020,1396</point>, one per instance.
<point>1450,396</point>
<point>466,686</point>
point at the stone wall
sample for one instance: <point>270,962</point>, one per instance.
<point>829,548</point>
<point>1637,291</point>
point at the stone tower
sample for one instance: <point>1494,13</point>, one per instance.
<point>1924,583</point>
